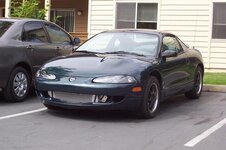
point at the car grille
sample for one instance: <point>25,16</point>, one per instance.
<point>71,97</point>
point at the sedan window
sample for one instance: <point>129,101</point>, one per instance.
<point>4,26</point>
<point>57,36</point>
<point>34,32</point>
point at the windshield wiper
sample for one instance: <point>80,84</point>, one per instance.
<point>124,52</point>
<point>85,51</point>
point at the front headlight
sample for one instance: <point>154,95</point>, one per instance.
<point>115,79</point>
<point>42,74</point>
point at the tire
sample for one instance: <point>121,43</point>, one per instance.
<point>196,91</point>
<point>151,100</point>
<point>18,85</point>
<point>50,107</point>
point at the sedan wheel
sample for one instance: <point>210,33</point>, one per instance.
<point>150,103</point>
<point>18,85</point>
<point>198,85</point>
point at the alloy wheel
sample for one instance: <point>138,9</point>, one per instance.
<point>153,97</point>
<point>20,84</point>
<point>198,82</point>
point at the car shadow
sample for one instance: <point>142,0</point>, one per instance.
<point>166,107</point>
<point>30,97</point>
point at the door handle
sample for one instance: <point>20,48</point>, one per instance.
<point>29,47</point>
<point>58,48</point>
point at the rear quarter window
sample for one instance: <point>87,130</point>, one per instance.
<point>4,26</point>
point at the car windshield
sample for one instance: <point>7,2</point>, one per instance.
<point>4,26</point>
<point>123,43</point>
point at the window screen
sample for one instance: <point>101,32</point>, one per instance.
<point>147,16</point>
<point>125,15</point>
<point>219,21</point>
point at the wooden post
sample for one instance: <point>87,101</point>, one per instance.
<point>7,8</point>
<point>48,7</point>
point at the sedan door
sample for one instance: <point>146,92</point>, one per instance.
<point>38,44</point>
<point>60,40</point>
<point>175,70</point>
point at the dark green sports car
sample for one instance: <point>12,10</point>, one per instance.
<point>123,70</point>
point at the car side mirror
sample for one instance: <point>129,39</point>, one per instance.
<point>77,41</point>
<point>169,53</point>
<point>74,49</point>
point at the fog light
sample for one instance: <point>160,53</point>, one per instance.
<point>137,89</point>
<point>99,98</point>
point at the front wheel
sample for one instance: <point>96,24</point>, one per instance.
<point>18,85</point>
<point>196,91</point>
<point>50,107</point>
<point>151,100</point>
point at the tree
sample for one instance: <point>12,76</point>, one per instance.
<point>27,9</point>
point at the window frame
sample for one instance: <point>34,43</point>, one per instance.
<point>41,23</point>
<point>50,40</point>
<point>66,10</point>
<point>136,12</point>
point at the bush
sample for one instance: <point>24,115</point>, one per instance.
<point>27,9</point>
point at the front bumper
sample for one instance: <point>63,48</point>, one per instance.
<point>122,97</point>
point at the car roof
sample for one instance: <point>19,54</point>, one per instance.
<point>159,32</point>
<point>19,19</point>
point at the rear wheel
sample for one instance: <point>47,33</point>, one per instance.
<point>18,85</point>
<point>151,100</point>
<point>196,91</point>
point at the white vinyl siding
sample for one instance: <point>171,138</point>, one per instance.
<point>101,16</point>
<point>190,20</point>
<point>218,54</point>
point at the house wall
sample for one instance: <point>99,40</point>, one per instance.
<point>81,22</point>
<point>101,16</point>
<point>190,20</point>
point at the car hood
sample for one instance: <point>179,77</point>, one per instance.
<point>93,65</point>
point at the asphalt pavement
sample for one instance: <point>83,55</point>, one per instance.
<point>181,124</point>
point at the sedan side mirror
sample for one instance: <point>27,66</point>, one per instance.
<point>77,41</point>
<point>169,53</point>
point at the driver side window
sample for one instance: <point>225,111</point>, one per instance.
<point>170,43</point>
<point>57,36</point>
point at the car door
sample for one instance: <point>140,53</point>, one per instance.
<point>60,40</point>
<point>175,70</point>
<point>37,42</point>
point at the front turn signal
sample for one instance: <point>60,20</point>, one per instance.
<point>136,89</point>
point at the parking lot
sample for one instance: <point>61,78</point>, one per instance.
<point>181,124</point>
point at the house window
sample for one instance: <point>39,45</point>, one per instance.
<point>136,15</point>
<point>219,21</point>
<point>64,18</point>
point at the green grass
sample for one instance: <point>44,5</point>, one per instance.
<point>215,78</point>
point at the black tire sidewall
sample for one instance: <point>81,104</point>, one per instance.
<point>9,93</point>
<point>145,111</point>
<point>192,94</point>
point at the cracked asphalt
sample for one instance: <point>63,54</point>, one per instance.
<point>179,121</point>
